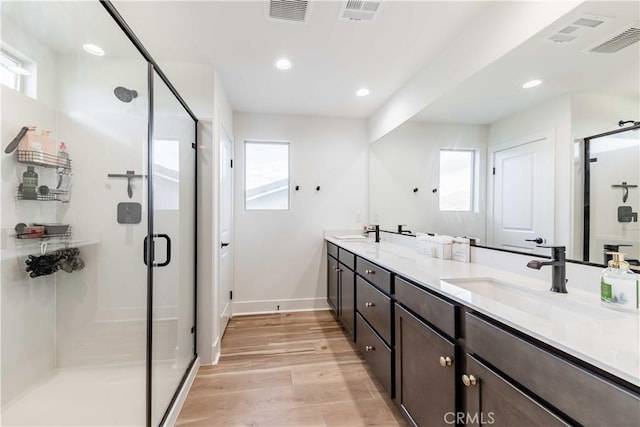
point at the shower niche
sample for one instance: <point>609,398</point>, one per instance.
<point>111,343</point>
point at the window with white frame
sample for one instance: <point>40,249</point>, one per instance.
<point>266,175</point>
<point>11,71</point>
<point>457,180</point>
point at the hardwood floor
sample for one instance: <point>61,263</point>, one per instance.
<point>289,369</point>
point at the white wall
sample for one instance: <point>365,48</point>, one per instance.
<point>479,48</point>
<point>408,157</point>
<point>553,116</point>
<point>27,305</point>
<point>279,255</point>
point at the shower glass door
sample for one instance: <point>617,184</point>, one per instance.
<point>173,225</point>
<point>73,345</point>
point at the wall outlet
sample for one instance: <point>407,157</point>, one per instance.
<point>358,218</point>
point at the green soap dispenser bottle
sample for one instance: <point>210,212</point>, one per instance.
<point>29,184</point>
<point>619,285</point>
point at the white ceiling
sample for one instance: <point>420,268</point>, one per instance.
<point>496,92</point>
<point>332,58</point>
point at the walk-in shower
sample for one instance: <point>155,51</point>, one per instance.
<point>98,194</point>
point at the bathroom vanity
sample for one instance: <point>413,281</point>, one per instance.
<point>463,343</point>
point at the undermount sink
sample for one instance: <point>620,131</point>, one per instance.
<point>534,301</point>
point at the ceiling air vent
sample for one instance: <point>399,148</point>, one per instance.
<point>359,10</point>
<point>589,22</point>
<point>289,10</point>
<point>622,40</point>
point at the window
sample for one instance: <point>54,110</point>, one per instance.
<point>266,176</point>
<point>166,167</point>
<point>457,180</point>
<point>8,69</point>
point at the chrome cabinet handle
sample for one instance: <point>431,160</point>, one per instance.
<point>445,361</point>
<point>369,272</point>
<point>469,380</point>
<point>369,348</point>
<point>369,304</point>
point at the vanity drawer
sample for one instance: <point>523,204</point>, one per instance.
<point>438,312</point>
<point>376,275</point>
<point>582,395</point>
<point>332,250</point>
<point>347,258</point>
<point>375,352</point>
<point>374,306</point>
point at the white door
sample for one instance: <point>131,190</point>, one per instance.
<point>226,226</point>
<point>523,174</point>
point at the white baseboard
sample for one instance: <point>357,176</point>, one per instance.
<point>243,308</point>
<point>172,418</point>
<point>215,351</point>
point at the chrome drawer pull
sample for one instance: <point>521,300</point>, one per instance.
<point>469,380</point>
<point>369,348</point>
<point>445,361</point>
<point>369,272</point>
<point>369,304</point>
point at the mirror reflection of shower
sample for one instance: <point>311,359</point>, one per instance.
<point>124,94</point>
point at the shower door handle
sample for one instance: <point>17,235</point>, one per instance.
<point>146,247</point>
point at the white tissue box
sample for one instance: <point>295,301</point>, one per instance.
<point>434,246</point>
<point>461,249</point>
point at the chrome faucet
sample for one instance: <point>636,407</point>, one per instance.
<point>559,264</point>
<point>375,229</point>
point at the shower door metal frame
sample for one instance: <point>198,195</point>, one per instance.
<point>152,69</point>
<point>587,191</point>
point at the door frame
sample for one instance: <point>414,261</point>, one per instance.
<point>223,133</point>
<point>548,134</point>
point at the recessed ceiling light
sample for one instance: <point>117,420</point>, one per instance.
<point>532,83</point>
<point>283,64</point>
<point>19,70</point>
<point>93,49</point>
<point>362,92</point>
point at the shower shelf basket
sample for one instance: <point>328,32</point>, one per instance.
<point>51,196</point>
<point>38,158</point>
<point>29,236</point>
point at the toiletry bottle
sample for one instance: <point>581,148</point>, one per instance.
<point>63,155</point>
<point>619,285</point>
<point>29,184</point>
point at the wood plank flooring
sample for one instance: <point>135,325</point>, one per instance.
<point>289,369</point>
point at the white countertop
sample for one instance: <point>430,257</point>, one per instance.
<point>575,322</point>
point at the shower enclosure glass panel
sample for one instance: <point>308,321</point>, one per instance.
<point>74,343</point>
<point>173,183</point>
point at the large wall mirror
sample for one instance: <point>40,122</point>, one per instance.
<point>506,164</point>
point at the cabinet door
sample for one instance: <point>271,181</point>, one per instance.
<point>425,388</point>
<point>347,298</point>
<point>332,283</point>
<point>490,399</point>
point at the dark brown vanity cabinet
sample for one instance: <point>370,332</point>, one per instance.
<point>374,334</point>
<point>341,285</point>
<point>492,400</point>
<point>375,352</point>
<point>447,364</point>
<point>346,278</point>
<point>581,394</point>
<point>332,283</point>
<point>425,371</point>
